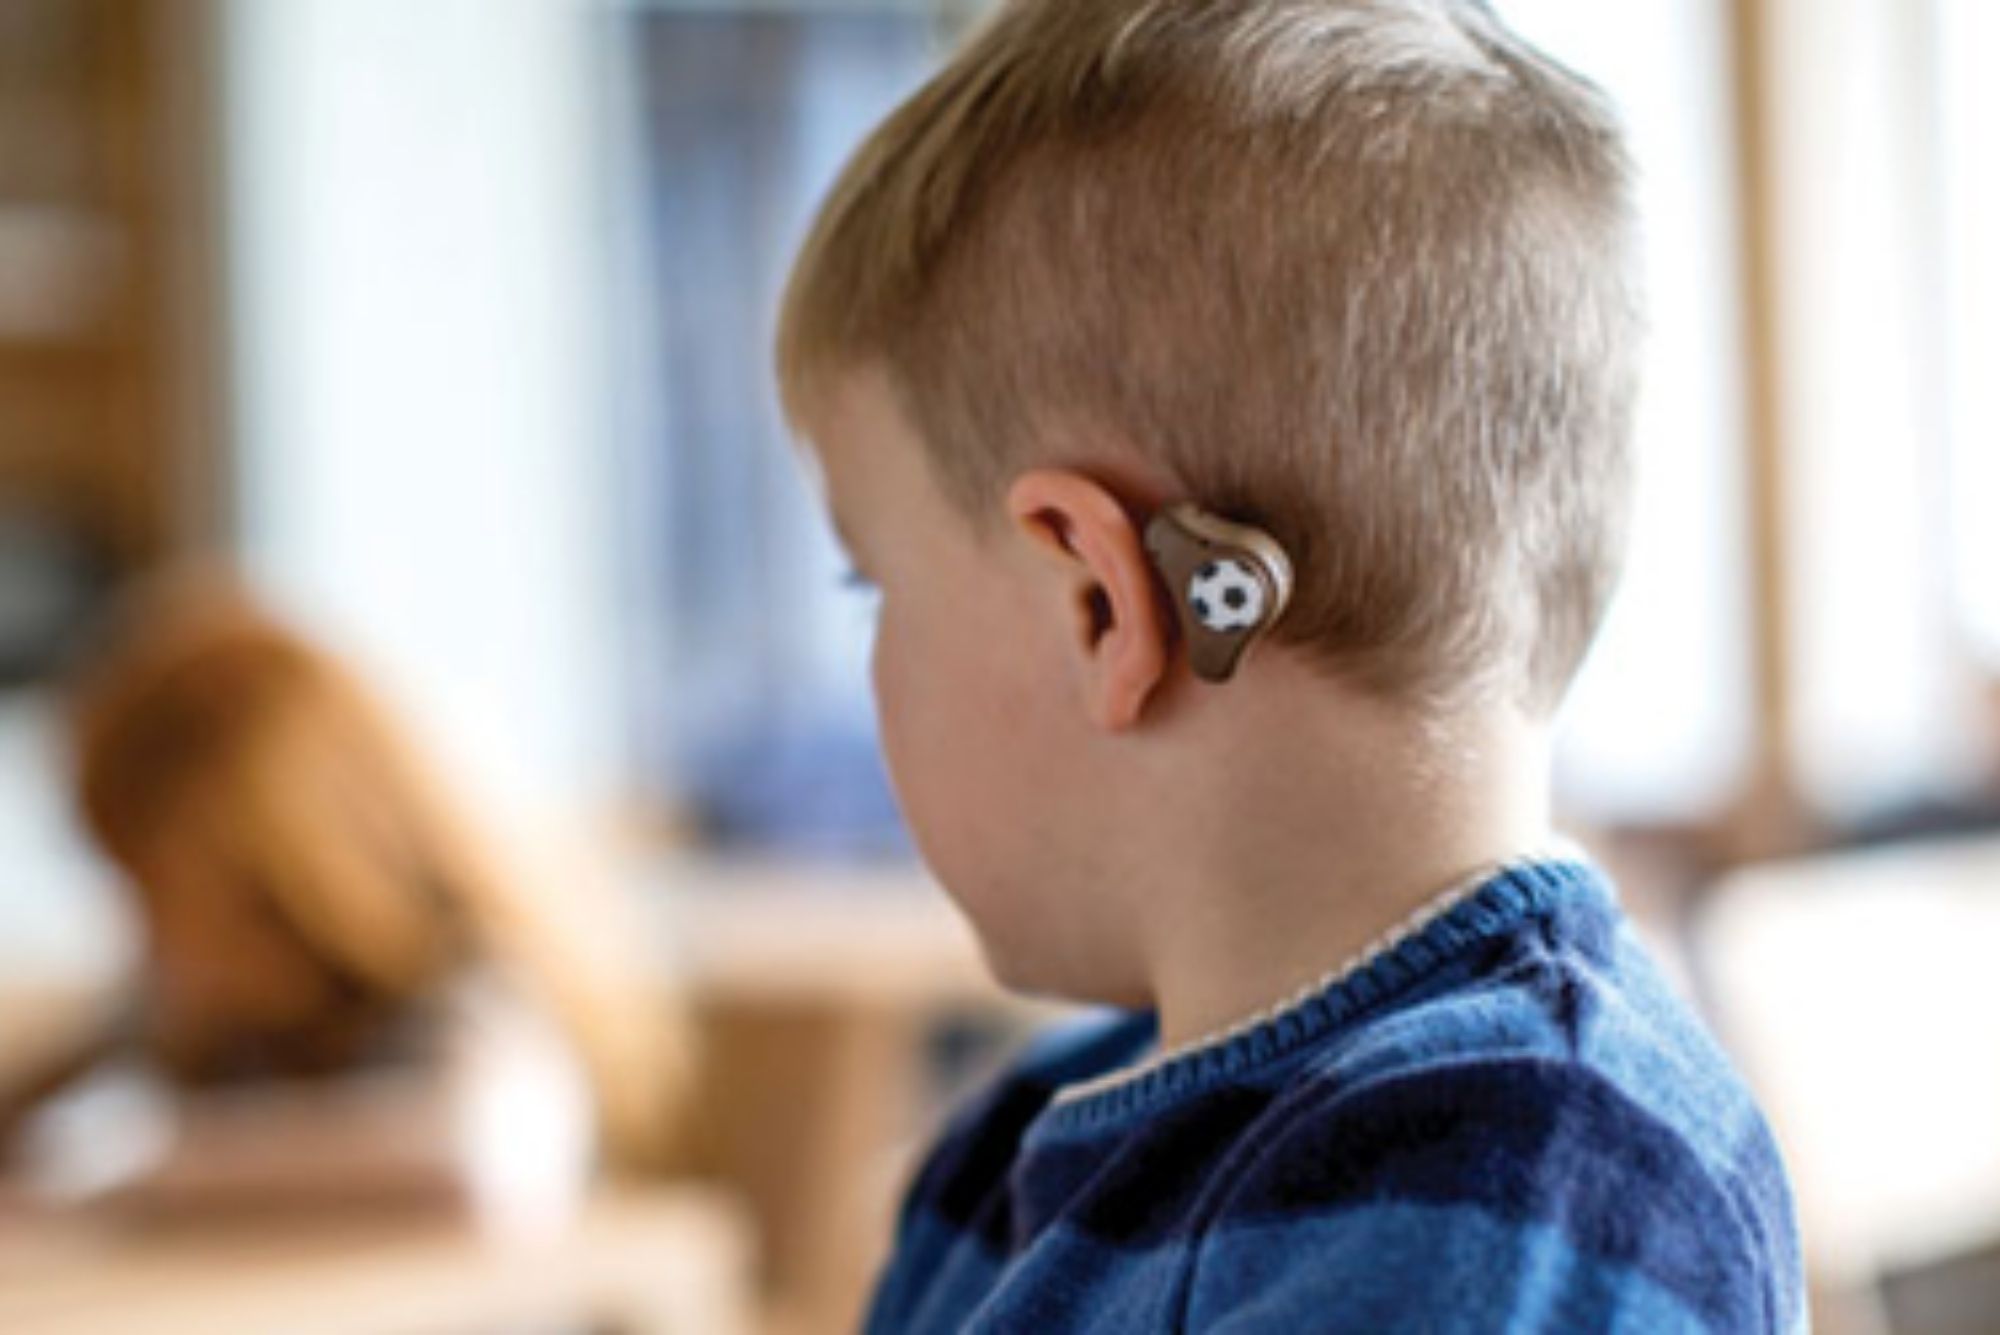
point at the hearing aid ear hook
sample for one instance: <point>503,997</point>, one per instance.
<point>1230,583</point>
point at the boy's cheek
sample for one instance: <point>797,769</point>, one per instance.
<point>898,703</point>
<point>882,669</point>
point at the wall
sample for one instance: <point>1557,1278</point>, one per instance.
<point>415,238</point>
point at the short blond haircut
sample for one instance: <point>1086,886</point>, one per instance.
<point>1357,271</point>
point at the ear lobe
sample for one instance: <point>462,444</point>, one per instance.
<point>1120,634</point>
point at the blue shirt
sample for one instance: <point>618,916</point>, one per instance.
<point>1505,1122</point>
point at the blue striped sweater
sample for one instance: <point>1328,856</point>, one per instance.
<point>1506,1122</point>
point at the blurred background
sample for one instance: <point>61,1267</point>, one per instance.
<point>443,326</point>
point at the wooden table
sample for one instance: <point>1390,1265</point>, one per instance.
<point>1860,992</point>
<point>816,994</point>
<point>671,1260</point>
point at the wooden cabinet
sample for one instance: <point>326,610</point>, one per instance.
<point>108,307</point>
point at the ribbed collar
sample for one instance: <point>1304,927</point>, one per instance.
<point>1494,907</point>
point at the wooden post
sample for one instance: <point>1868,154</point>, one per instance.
<point>1768,813</point>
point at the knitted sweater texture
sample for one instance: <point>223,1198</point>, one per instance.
<point>1507,1121</point>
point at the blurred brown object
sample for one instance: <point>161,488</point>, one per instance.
<point>306,889</point>
<point>109,305</point>
<point>820,998</point>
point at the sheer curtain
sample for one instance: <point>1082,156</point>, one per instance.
<point>1883,198</point>
<point>1967,32</point>
<point>1880,714</point>
<point>1657,727</point>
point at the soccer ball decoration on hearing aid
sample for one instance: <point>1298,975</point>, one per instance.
<point>1229,582</point>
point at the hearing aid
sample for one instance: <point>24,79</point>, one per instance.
<point>1229,582</point>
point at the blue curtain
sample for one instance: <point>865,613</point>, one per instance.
<point>755,704</point>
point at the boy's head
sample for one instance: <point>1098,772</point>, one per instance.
<point>1356,271</point>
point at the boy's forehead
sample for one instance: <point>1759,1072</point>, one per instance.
<point>841,530</point>
<point>851,437</point>
<point>821,484</point>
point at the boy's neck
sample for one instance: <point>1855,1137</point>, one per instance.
<point>1314,833</point>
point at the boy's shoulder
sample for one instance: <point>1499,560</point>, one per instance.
<point>1514,1101</point>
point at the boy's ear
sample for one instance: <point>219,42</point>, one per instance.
<point>1120,633</point>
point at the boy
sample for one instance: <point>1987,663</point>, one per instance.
<point>1229,400</point>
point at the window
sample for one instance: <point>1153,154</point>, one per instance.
<point>1657,726</point>
<point>1966,32</point>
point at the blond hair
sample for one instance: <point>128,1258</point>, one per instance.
<point>1355,271</point>
<point>208,722</point>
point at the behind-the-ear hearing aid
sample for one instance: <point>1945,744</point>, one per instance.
<point>1229,583</point>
